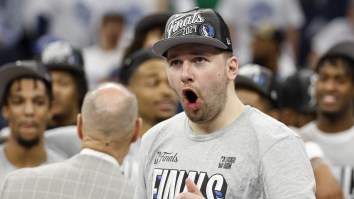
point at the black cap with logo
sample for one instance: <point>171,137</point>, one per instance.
<point>259,79</point>
<point>62,56</point>
<point>197,26</point>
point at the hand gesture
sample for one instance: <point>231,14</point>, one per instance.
<point>193,191</point>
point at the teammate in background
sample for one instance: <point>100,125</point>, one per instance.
<point>333,128</point>
<point>101,59</point>
<point>224,148</point>
<point>108,124</point>
<point>144,73</point>
<point>25,94</point>
<point>298,98</point>
<point>66,67</point>
<point>261,92</point>
<point>256,86</point>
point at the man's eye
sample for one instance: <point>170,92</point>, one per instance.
<point>200,59</point>
<point>16,101</point>
<point>39,102</point>
<point>174,62</point>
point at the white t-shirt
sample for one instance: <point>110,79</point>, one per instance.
<point>339,150</point>
<point>7,167</point>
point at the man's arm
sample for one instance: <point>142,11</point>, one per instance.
<point>326,184</point>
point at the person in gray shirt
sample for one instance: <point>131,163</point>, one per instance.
<point>25,94</point>
<point>218,147</point>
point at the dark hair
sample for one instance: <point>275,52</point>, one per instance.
<point>48,88</point>
<point>348,63</point>
<point>112,17</point>
<point>133,62</point>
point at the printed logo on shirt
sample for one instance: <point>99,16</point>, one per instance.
<point>226,162</point>
<point>165,157</point>
<point>168,183</point>
<point>346,176</point>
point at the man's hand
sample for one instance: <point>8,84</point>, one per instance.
<point>193,191</point>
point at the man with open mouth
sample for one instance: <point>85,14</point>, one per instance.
<point>218,147</point>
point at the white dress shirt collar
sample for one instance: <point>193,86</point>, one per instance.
<point>104,156</point>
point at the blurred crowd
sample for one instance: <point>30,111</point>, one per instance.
<point>282,46</point>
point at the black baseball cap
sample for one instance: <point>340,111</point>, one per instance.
<point>342,49</point>
<point>61,56</point>
<point>133,62</point>
<point>259,79</point>
<point>19,69</point>
<point>197,26</point>
<point>298,91</point>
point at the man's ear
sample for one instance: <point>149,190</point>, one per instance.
<point>5,112</point>
<point>137,128</point>
<point>79,126</point>
<point>232,67</point>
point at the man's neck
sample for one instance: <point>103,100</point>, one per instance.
<point>335,123</point>
<point>112,149</point>
<point>21,157</point>
<point>146,125</point>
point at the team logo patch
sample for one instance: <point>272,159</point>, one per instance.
<point>207,30</point>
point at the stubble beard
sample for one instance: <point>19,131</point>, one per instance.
<point>28,144</point>
<point>211,108</point>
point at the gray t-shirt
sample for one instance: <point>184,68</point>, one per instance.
<point>254,157</point>
<point>6,166</point>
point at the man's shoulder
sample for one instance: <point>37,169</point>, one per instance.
<point>266,128</point>
<point>73,165</point>
<point>36,172</point>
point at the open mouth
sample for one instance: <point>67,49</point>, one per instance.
<point>190,96</point>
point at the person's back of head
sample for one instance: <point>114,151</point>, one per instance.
<point>109,120</point>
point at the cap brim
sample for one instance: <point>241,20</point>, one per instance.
<point>10,73</point>
<point>162,46</point>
